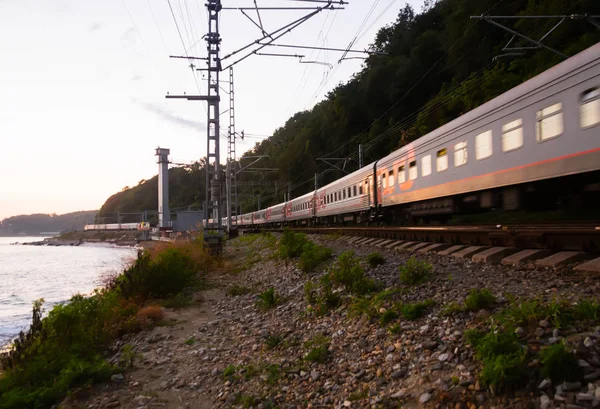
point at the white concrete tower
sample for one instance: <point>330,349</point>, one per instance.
<point>164,215</point>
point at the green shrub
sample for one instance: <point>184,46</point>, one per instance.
<point>273,340</point>
<point>560,365</point>
<point>323,298</point>
<point>180,300</point>
<point>451,309</point>
<point>413,311</point>
<point>318,354</point>
<point>375,259</point>
<point>348,272</point>
<point>388,316</point>
<point>229,371</point>
<point>415,271</point>
<point>312,255</point>
<point>479,299</point>
<point>268,298</point>
<point>291,244</point>
<point>190,341</point>
<point>395,329</point>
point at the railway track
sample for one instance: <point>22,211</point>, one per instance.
<point>565,237</point>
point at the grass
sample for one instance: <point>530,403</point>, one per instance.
<point>268,299</point>
<point>318,349</point>
<point>313,255</point>
<point>413,311</point>
<point>347,272</point>
<point>479,300</point>
<point>180,300</point>
<point>190,341</point>
<point>65,349</point>
<point>388,316</point>
<point>273,340</point>
<point>415,272</point>
<point>375,259</point>
<point>560,365</point>
<point>452,308</point>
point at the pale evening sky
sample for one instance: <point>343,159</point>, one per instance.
<point>82,86</point>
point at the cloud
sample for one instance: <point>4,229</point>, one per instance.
<point>95,27</point>
<point>136,78</point>
<point>168,115</point>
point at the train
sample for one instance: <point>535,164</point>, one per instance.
<point>534,147</point>
<point>117,226</point>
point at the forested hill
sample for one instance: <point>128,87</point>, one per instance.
<point>439,65</point>
<point>33,224</point>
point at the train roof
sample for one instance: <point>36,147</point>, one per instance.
<point>585,57</point>
<point>365,169</point>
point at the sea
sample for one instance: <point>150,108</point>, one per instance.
<point>28,273</point>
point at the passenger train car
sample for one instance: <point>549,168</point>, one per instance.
<point>528,148</point>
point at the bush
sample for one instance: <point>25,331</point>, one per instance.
<point>415,310</point>
<point>375,259</point>
<point>318,354</point>
<point>312,255</point>
<point>291,244</point>
<point>415,271</point>
<point>151,313</point>
<point>268,299</point>
<point>273,340</point>
<point>451,309</point>
<point>236,290</point>
<point>479,299</point>
<point>323,298</point>
<point>388,316</point>
<point>560,365</point>
<point>348,272</point>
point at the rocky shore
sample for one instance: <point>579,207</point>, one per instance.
<point>229,353</point>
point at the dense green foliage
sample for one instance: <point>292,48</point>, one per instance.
<point>439,66</point>
<point>415,271</point>
<point>40,223</point>
<point>348,272</point>
<point>64,350</point>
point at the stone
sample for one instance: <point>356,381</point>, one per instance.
<point>443,357</point>
<point>519,331</point>
<point>424,398</point>
<point>314,375</point>
<point>401,373</point>
<point>545,384</point>
<point>570,386</point>
<point>544,324</point>
<point>347,403</point>
<point>588,342</point>
<point>584,397</point>
<point>545,402</point>
<point>117,377</point>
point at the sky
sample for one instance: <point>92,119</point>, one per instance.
<point>83,85</point>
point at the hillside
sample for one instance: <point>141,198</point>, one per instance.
<point>439,66</point>
<point>34,224</point>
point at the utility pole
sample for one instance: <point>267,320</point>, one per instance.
<point>212,203</point>
<point>231,182</point>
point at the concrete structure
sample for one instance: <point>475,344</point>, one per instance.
<point>494,255</point>
<point>188,221</point>
<point>164,219</point>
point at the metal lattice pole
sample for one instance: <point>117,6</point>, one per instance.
<point>231,173</point>
<point>213,176</point>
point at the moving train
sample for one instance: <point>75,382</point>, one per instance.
<point>531,148</point>
<point>117,226</point>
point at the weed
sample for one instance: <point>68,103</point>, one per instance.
<point>273,340</point>
<point>247,401</point>
<point>291,244</point>
<point>229,371</point>
<point>413,311</point>
<point>479,299</point>
<point>268,299</point>
<point>151,313</point>
<point>415,271</point>
<point>312,255</point>
<point>273,374</point>
<point>395,329</point>
<point>455,380</point>
<point>318,354</point>
<point>359,394</point>
<point>236,290</point>
<point>387,317</point>
<point>127,357</point>
<point>310,292</point>
<point>348,272</point>
<point>560,365</point>
<point>190,341</point>
<point>451,309</point>
<point>375,259</point>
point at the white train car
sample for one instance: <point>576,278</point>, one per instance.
<point>275,215</point>
<point>301,209</point>
<point>347,199</point>
<point>545,128</point>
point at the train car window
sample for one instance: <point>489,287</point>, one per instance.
<point>426,165</point>
<point>483,145</point>
<point>383,180</point>
<point>401,175</point>
<point>441,163</point>
<point>391,178</point>
<point>360,189</point>
<point>412,170</point>
<point>343,193</point>
<point>512,135</point>
<point>460,154</point>
<point>549,122</point>
<point>589,112</point>
<point>355,190</point>
<point>349,192</point>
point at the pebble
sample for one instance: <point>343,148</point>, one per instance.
<point>424,398</point>
<point>117,377</point>
<point>443,357</point>
<point>545,383</point>
<point>584,397</point>
<point>588,342</point>
<point>545,402</point>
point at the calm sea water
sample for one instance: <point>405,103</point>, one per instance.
<point>28,273</point>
